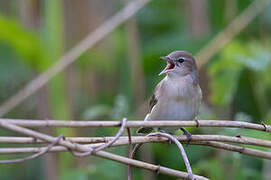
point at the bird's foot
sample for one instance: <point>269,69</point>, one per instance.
<point>188,136</point>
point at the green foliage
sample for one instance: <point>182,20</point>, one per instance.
<point>212,167</point>
<point>78,174</point>
<point>10,67</point>
<point>119,110</point>
<point>240,73</point>
<point>166,23</point>
<point>108,171</point>
<point>27,44</point>
<point>239,81</point>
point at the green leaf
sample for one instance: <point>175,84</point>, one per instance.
<point>232,61</point>
<point>27,44</point>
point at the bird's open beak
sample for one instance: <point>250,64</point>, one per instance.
<point>170,65</point>
<point>165,58</point>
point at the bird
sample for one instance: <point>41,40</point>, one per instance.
<point>177,96</point>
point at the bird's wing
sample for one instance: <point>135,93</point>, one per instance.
<point>152,103</point>
<point>155,97</point>
<point>156,94</point>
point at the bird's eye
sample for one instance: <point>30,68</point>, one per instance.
<point>180,60</point>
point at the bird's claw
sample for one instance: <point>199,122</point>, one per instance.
<point>188,136</point>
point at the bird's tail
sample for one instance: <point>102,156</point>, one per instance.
<point>144,130</point>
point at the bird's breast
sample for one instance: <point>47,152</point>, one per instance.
<point>178,101</point>
<point>178,110</point>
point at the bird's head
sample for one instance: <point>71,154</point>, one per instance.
<point>179,63</point>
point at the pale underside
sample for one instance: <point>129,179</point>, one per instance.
<point>175,99</point>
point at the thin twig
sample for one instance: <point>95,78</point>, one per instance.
<point>224,146</point>
<point>242,150</point>
<point>89,41</point>
<point>105,145</point>
<point>180,146</point>
<point>133,124</point>
<point>138,139</point>
<point>130,149</point>
<point>40,153</point>
<point>132,156</point>
<point>103,154</point>
<point>120,132</point>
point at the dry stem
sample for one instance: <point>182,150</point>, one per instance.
<point>40,153</point>
<point>133,124</point>
<point>138,139</point>
<point>130,149</point>
<point>196,140</point>
<point>103,154</point>
<point>105,145</point>
<point>179,145</point>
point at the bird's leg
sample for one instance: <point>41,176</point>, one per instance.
<point>188,136</point>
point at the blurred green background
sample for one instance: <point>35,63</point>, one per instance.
<point>116,77</point>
